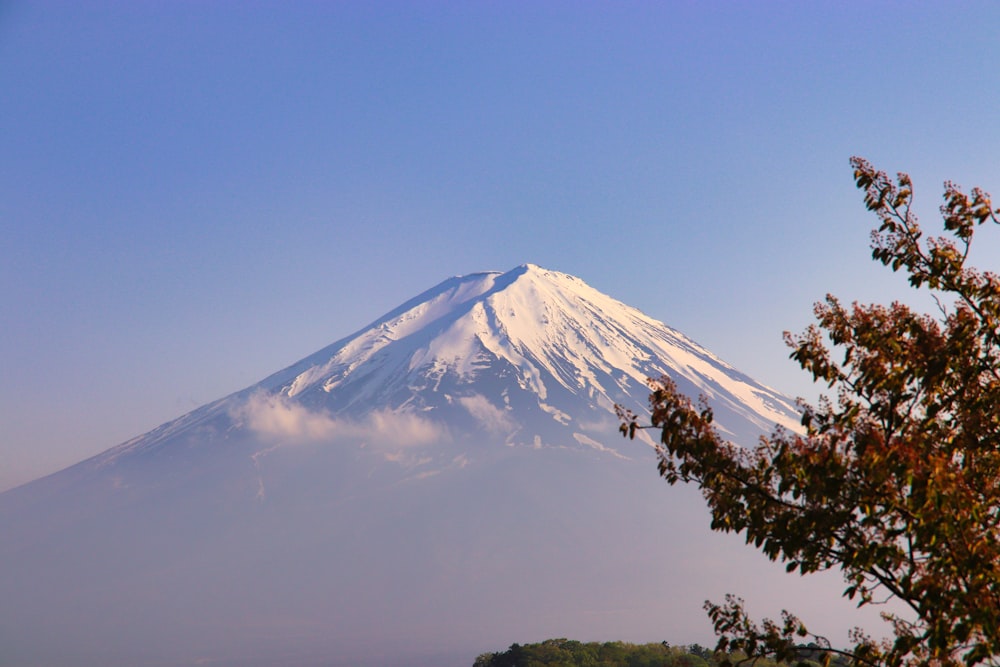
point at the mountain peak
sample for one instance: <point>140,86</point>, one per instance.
<point>530,357</point>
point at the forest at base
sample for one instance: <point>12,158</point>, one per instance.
<point>569,653</point>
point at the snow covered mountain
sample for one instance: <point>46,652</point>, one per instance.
<point>530,357</point>
<point>447,480</point>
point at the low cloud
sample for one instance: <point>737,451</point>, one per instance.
<point>401,428</point>
<point>274,417</point>
<point>278,419</point>
<point>490,417</point>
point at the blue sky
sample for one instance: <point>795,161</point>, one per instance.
<point>194,195</point>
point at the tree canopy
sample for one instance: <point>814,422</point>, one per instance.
<point>895,480</point>
<point>570,653</point>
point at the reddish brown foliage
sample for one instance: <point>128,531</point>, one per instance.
<point>895,481</point>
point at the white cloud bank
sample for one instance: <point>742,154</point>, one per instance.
<point>278,419</point>
<point>489,416</point>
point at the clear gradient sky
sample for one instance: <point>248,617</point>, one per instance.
<point>196,194</point>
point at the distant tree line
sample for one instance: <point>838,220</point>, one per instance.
<point>570,653</point>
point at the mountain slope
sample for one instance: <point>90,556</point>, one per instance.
<point>522,355</point>
<point>446,478</point>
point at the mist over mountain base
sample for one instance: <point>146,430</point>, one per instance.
<point>445,482</point>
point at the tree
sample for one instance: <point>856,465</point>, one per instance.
<point>569,653</point>
<point>896,480</point>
